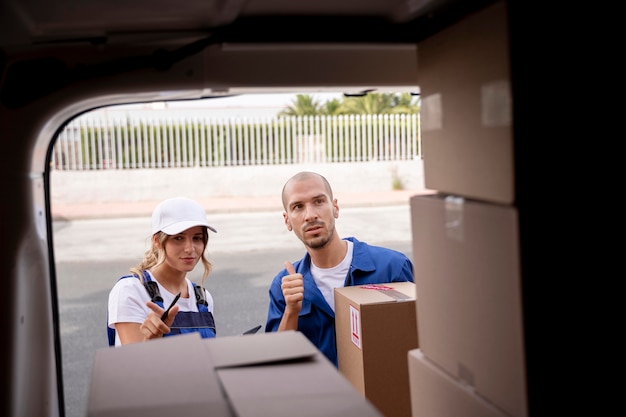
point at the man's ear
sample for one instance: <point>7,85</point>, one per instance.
<point>335,209</point>
<point>287,222</point>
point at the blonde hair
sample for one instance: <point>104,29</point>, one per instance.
<point>155,256</point>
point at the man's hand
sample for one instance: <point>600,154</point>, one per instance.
<point>293,291</point>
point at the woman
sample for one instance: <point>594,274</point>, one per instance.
<point>136,310</point>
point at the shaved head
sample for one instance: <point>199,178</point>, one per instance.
<point>305,176</point>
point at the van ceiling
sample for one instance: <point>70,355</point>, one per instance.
<point>37,22</point>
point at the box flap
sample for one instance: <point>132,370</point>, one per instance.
<point>269,374</point>
<point>164,377</point>
<point>260,348</point>
<point>307,387</point>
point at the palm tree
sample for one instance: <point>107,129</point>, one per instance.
<point>405,103</point>
<point>302,105</point>
<point>372,103</point>
<point>331,107</point>
<point>379,103</point>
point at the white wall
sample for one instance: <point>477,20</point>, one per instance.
<point>69,187</point>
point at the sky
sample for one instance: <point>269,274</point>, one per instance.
<point>254,100</point>
<point>247,105</point>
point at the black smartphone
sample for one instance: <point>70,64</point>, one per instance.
<point>253,330</point>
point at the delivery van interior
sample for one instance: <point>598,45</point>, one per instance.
<point>489,245</point>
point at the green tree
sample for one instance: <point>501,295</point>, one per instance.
<point>331,107</point>
<point>405,103</point>
<point>372,103</point>
<point>379,103</point>
<point>303,105</point>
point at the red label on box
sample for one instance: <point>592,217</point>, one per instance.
<point>376,287</point>
<point>355,326</point>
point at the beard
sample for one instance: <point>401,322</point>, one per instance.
<point>321,241</point>
<point>318,242</point>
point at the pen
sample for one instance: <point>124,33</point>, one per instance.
<point>164,316</point>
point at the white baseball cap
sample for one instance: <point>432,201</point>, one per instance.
<point>178,214</point>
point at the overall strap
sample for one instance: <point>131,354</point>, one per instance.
<point>155,295</point>
<point>200,297</point>
<point>153,289</point>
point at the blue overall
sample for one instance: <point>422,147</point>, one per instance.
<point>186,321</point>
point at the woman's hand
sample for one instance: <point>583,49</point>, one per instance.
<point>153,327</point>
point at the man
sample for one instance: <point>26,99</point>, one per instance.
<point>302,294</point>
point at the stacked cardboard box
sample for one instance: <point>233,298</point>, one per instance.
<point>466,111</point>
<point>266,374</point>
<point>469,313</point>
<point>376,327</point>
<point>441,395</point>
<point>465,237</point>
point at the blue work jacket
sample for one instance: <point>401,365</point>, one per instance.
<point>370,265</point>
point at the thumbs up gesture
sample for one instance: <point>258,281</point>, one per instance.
<point>293,289</point>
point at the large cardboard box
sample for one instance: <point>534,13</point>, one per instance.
<point>469,315</point>
<point>266,374</point>
<point>434,393</point>
<point>466,110</point>
<point>376,326</point>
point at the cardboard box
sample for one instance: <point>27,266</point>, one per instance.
<point>376,327</point>
<point>466,111</point>
<point>467,274</point>
<point>434,393</point>
<point>266,374</point>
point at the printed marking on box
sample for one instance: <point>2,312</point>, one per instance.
<point>389,291</point>
<point>355,326</point>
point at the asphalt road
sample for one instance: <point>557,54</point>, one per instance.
<point>248,250</point>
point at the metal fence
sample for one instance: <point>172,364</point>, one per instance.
<point>96,143</point>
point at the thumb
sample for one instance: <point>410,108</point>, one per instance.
<point>290,269</point>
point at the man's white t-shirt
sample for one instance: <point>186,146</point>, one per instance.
<point>327,279</point>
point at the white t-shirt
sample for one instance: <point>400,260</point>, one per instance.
<point>327,279</point>
<point>128,297</point>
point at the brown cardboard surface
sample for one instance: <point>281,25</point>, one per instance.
<point>267,374</point>
<point>469,315</point>
<point>376,326</point>
<point>160,378</point>
<point>268,348</point>
<point>437,394</point>
<point>466,114</point>
<point>310,387</point>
